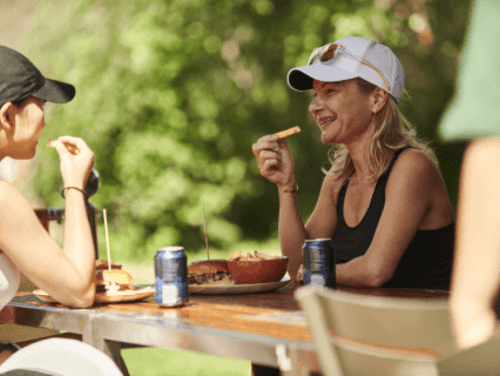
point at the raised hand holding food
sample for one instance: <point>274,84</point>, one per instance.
<point>51,143</point>
<point>77,160</point>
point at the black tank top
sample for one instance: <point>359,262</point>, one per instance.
<point>426,263</point>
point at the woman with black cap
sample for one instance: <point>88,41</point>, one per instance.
<point>383,202</point>
<point>67,274</point>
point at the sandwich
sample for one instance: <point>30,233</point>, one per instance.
<point>209,273</point>
<point>113,281</point>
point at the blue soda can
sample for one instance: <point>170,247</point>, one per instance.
<point>171,277</point>
<point>319,263</point>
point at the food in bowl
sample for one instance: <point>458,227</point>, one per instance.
<point>255,256</point>
<point>256,267</point>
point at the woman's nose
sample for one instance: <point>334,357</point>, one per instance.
<point>316,105</point>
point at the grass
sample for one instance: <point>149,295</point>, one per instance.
<point>163,362</point>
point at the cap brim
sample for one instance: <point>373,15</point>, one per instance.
<point>55,91</point>
<point>302,78</point>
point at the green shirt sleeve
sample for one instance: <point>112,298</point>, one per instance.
<point>475,108</point>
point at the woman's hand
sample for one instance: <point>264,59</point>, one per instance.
<point>77,160</point>
<point>275,161</point>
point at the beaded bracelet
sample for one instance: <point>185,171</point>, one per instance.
<point>7,345</point>
<point>78,189</point>
<point>292,191</point>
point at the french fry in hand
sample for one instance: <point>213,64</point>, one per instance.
<point>288,132</point>
<point>51,143</point>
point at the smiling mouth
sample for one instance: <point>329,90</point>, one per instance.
<point>325,121</point>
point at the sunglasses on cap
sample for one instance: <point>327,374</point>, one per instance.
<point>330,51</point>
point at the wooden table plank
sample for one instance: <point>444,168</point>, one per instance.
<point>249,325</point>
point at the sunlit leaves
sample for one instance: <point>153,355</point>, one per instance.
<point>171,94</point>
<point>212,44</point>
<point>449,49</point>
<point>318,13</point>
<point>263,7</point>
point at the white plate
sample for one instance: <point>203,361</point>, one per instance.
<point>118,297</point>
<point>237,289</point>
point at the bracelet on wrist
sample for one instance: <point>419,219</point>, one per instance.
<point>291,190</point>
<point>7,345</point>
<point>66,188</point>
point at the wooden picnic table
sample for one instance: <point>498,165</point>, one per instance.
<point>254,327</point>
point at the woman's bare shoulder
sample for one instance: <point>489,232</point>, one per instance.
<point>7,189</point>
<point>415,169</point>
<point>414,161</point>
<point>9,196</point>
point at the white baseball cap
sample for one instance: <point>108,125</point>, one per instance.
<point>349,58</point>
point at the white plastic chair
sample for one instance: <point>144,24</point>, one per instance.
<point>482,359</point>
<point>415,324</point>
<point>62,357</point>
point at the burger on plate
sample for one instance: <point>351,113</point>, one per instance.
<point>209,273</point>
<point>113,281</point>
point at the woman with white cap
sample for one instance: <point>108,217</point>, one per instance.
<point>67,274</point>
<point>383,202</point>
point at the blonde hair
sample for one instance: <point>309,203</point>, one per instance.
<point>393,133</point>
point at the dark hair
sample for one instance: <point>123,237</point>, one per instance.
<point>16,103</point>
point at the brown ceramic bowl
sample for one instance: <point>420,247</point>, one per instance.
<point>247,272</point>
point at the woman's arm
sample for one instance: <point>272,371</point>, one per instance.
<point>476,266</point>
<point>62,274</point>
<point>293,233</point>
<point>67,274</point>
<point>276,164</point>
<point>415,197</point>
<point>291,230</point>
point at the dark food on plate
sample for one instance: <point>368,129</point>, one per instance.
<point>209,273</point>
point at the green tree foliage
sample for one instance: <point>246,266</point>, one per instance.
<point>171,94</point>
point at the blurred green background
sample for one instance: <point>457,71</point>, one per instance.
<point>171,94</point>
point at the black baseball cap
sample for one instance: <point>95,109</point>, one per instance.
<point>19,78</point>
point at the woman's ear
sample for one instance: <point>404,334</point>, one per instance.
<point>7,115</point>
<point>380,98</point>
